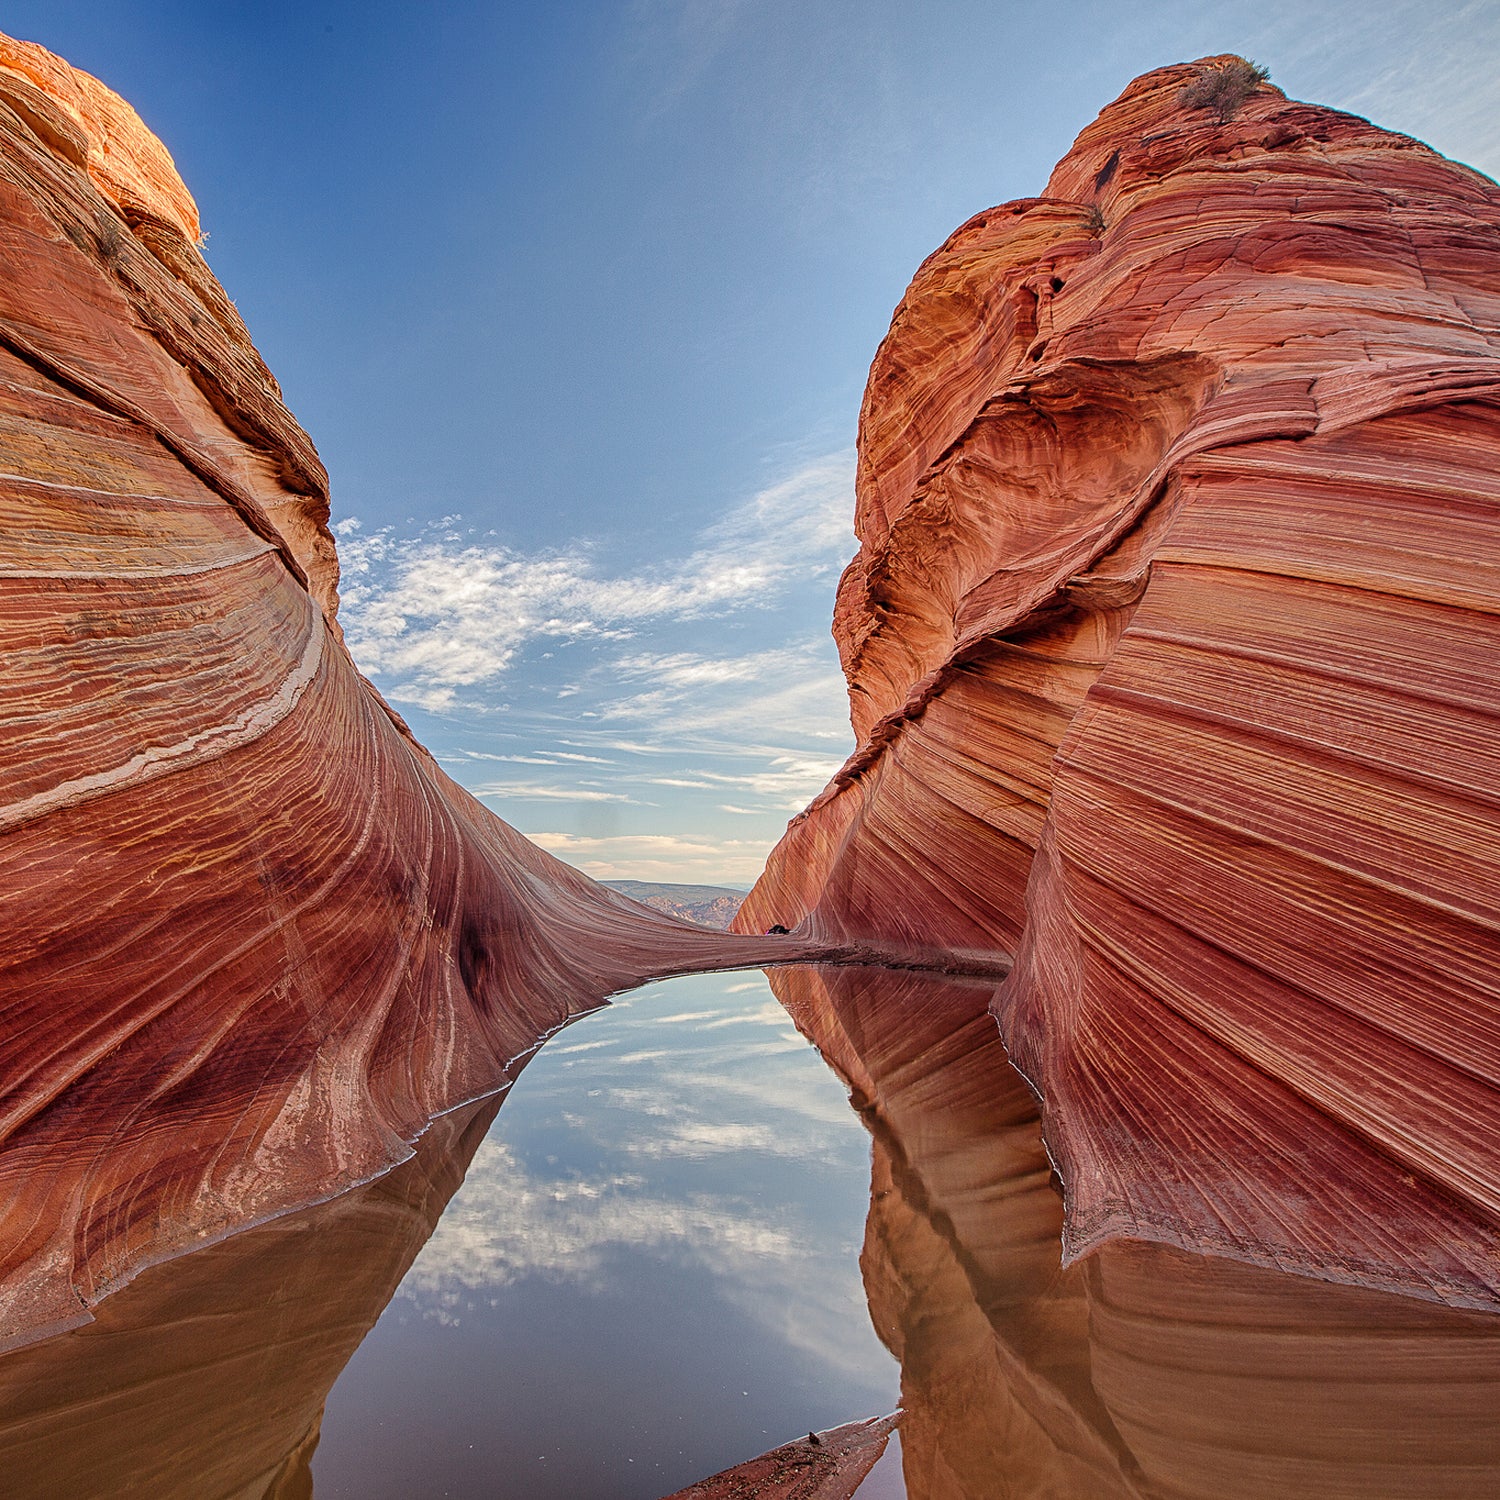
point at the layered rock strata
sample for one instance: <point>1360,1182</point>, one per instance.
<point>205,1379</point>
<point>828,1465</point>
<point>1143,1372</point>
<point>253,939</point>
<point>1170,649</point>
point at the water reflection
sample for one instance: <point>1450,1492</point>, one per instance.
<point>1142,1371</point>
<point>653,1272</point>
<point>206,1377</point>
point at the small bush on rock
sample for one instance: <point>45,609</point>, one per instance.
<point>1222,87</point>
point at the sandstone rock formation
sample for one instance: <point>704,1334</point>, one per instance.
<point>205,1378</point>
<point>252,939</point>
<point>1170,649</point>
<point>822,1466</point>
<point>1142,1372</point>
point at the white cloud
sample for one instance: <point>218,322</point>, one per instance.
<point>795,690</point>
<point>788,782</point>
<point>434,616</point>
<point>531,791</point>
<point>551,758</point>
<point>658,856</point>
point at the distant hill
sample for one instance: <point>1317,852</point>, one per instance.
<point>706,905</point>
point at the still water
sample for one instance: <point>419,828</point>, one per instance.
<point>650,1273</point>
<point>673,1248</point>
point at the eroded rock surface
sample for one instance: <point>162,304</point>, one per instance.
<point>1142,1372</point>
<point>253,938</point>
<point>1170,646</point>
<point>822,1466</point>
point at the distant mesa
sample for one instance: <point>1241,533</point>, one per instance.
<point>1171,647</point>
<point>704,905</point>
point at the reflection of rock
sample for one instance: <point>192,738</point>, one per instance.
<point>822,1466</point>
<point>961,1248</point>
<point>1142,1371</point>
<point>253,937</point>
<point>1177,497</point>
<point>206,1376</point>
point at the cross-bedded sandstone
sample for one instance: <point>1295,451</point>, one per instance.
<point>1171,649</point>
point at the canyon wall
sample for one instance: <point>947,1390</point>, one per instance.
<point>253,938</point>
<point>1170,647</point>
<point>1143,1372</point>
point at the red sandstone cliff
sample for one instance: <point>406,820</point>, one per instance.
<point>1143,1372</point>
<point>1170,646</point>
<point>252,937</point>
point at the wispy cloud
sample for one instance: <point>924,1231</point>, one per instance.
<point>737,700</point>
<point>551,758</point>
<point>657,856</point>
<point>436,615</point>
<point>787,783</point>
<point>531,791</point>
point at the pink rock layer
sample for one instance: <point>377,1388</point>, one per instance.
<point>1170,646</point>
<point>253,939</point>
<point>828,1465</point>
<point>1142,1372</point>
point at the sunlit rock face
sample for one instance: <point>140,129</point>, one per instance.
<point>1142,1372</point>
<point>1170,646</point>
<point>253,938</point>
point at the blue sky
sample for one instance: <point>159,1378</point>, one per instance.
<point>577,301</point>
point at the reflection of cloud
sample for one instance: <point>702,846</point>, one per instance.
<point>507,1223</point>
<point>432,615</point>
<point>705,1138</point>
<point>653,1134</point>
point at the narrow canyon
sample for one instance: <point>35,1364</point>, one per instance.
<point>1157,904</point>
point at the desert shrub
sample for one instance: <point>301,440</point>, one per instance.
<point>1222,87</point>
<point>108,240</point>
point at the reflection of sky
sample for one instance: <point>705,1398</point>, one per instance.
<point>681,1173</point>
<point>706,1132</point>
